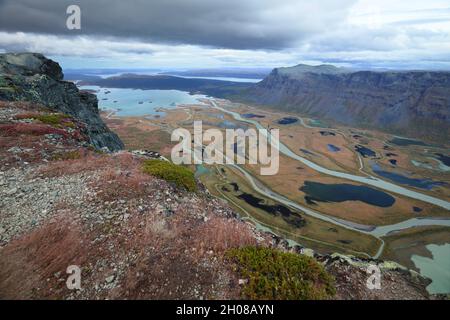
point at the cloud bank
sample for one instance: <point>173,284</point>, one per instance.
<point>359,33</point>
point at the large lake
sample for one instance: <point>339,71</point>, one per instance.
<point>137,102</point>
<point>153,73</point>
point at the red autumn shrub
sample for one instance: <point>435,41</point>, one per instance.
<point>118,184</point>
<point>29,129</point>
<point>28,261</point>
<point>89,161</point>
<point>221,234</point>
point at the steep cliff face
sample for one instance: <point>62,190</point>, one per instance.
<point>413,103</point>
<point>32,77</point>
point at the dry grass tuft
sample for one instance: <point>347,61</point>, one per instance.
<point>221,234</point>
<point>114,184</point>
<point>86,162</point>
<point>14,129</point>
<point>28,262</point>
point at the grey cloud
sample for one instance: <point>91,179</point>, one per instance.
<point>237,24</point>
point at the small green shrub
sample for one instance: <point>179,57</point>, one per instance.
<point>69,155</point>
<point>168,171</point>
<point>58,120</point>
<point>273,274</point>
<point>51,119</point>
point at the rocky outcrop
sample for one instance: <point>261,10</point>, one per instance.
<point>413,103</point>
<point>32,77</point>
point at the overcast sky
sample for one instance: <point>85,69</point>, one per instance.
<point>208,33</point>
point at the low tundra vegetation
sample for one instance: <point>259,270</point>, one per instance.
<point>170,172</point>
<point>58,120</point>
<point>67,155</point>
<point>273,274</point>
<point>14,129</point>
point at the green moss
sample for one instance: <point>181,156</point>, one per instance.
<point>273,274</point>
<point>54,119</point>
<point>69,124</point>
<point>168,171</point>
<point>69,155</point>
<point>57,120</point>
<point>3,82</point>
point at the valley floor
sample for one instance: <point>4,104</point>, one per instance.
<point>356,151</point>
<point>132,235</point>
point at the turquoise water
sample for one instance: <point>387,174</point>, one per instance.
<point>136,102</point>
<point>233,79</point>
<point>200,170</point>
<point>317,123</point>
<point>437,268</point>
<point>142,72</point>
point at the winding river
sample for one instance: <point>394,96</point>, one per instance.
<point>373,181</point>
<point>376,231</point>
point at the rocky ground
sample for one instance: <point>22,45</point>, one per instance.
<point>133,236</point>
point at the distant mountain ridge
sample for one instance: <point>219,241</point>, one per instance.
<point>412,103</point>
<point>409,103</point>
<point>301,69</point>
<point>216,88</point>
<point>249,73</point>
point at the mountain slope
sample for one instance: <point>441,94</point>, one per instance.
<point>413,103</point>
<point>32,77</point>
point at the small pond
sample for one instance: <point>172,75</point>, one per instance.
<point>365,152</point>
<point>407,142</point>
<point>252,115</point>
<point>316,191</point>
<point>333,148</point>
<point>426,184</point>
<point>287,120</point>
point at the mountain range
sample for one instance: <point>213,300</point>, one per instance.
<point>411,103</point>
